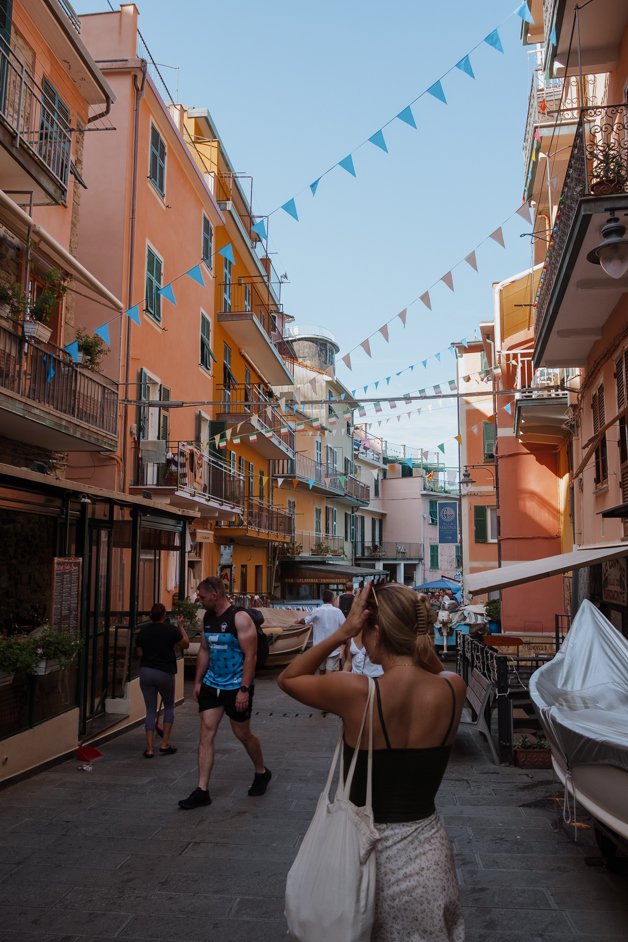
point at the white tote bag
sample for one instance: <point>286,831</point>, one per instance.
<point>330,891</point>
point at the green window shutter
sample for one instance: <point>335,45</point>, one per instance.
<point>488,432</point>
<point>480,524</point>
<point>142,411</point>
<point>433,555</point>
<point>164,416</point>
<point>433,512</point>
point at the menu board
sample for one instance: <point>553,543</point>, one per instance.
<point>66,593</point>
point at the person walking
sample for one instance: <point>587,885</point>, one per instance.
<point>418,712</point>
<point>224,683</point>
<point>325,620</point>
<point>345,601</point>
<point>357,661</point>
<point>157,642</point>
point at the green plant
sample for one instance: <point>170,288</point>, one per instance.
<point>321,549</point>
<point>18,655</point>
<point>93,348</point>
<point>187,610</point>
<point>54,645</point>
<point>539,742</point>
<point>13,296</point>
<point>54,289</point>
<point>609,168</point>
<point>493,610</point>
<point>292,549</point>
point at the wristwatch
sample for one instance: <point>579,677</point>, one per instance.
<point>244,689</point>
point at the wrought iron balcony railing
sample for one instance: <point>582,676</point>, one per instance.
<point>534,383</point>
<point>314,544</point>
<point>598,166</point>
<point>388,550</point>
<point>265,519</point>
<point>34,119</point>
<point>50,379</point>
<point>307,470</point>
<point>190,469</point>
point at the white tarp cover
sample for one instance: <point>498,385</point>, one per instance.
<point>582,694</point>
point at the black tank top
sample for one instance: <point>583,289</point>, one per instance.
<point>405,781</point>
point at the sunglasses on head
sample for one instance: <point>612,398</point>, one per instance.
<point>376,585</point>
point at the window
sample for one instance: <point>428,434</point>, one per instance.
<point>251,480</point>
<point>244,578</point>
<point>292,512</point>
<point>228,379</point>
<point>483,361</point>
<point>433,513</point>
<point>485,524</point>
<point>260,478</point>
<point>232,463</point>
<point>374,534</point>
<point>227,280</point>
<point>347,527</point>
<point>434,556</point>
<point>348,466</point>
<point>330,409</point>
<point>247,297</point>
<point>599,421</point>
<point>458,561</point>
<point>318,521</point>
<point>207,242</point>
<point>54,132</point>
<point>331,521</point>
<point>206,354</point>
<point>241,467</point>
<point>621,374</point>
<point>157,171</point>
<point>154,274</point>
<point>376,486</point>
<point>318,451</point>
<point>488,436</point>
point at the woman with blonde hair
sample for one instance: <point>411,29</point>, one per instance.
<point>418,707</point>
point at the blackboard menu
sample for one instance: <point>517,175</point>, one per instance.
<point>66,593</point>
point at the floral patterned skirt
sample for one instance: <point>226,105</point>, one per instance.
<point>417,895</point>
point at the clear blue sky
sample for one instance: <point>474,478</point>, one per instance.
<point>294,88</point>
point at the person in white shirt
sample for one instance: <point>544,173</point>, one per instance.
<point>325,620</point>
<point>357,660</point>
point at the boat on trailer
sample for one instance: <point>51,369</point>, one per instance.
<point>581,697</point>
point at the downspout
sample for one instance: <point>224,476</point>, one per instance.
<point>139,92</point>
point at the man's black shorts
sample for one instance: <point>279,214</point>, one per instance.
<point>210,698</point>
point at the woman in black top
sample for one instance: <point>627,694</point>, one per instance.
<point>157,641</point>
<point>418,711</point>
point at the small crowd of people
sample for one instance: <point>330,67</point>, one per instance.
<point>384,632</point>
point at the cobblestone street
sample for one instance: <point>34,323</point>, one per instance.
<point>107,854</point>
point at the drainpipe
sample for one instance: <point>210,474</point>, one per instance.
<point>139,93</point>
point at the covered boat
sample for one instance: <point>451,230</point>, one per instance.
<point>581,697</point>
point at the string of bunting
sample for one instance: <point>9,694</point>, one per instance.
<point>406,116</point>
<point>497,235</point>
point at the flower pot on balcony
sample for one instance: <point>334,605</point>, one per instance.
<point>533,758</point>
<point>35,330</point>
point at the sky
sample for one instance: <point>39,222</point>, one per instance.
<point>295,87</point>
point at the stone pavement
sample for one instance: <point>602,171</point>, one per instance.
<point>107,854</point>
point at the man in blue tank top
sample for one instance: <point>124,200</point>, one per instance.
<point>224,683</point>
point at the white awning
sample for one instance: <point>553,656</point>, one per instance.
<point>517,573</point>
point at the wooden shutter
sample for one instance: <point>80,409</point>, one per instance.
<point>164,415</point>
<point>488,432</point>
<point>480,524</point>
<point>142,411</point>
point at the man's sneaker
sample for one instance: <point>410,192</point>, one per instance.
<point>197,799</point>
<point>260,782</point>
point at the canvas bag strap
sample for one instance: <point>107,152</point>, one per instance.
<point>345,791</point>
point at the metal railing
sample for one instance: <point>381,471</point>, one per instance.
<point>190,469</point>
<point>355,488</point>
<point>598,166</point>
<point>534,383</point>
<point>305,543</point>
<point>388,550</point>
<point>251,400</point>
<point>71,15</point>
<point>33,117</point>
<point>368,454</point>
<point>308,470</point>
<point>48,377</point>
<point>265,519</point>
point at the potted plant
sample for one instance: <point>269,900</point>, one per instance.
<point>91,347</point>
<point>493,613</point>
<point>321,549</point>
<point>291,549</point>
<point>42,306</point>
<point>187,610</point>
<point>18,655</point>
<point>533,753</point>
<point>609,169</point>
<point>56,649</point>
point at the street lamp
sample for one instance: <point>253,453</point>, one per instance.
<point>466,478</point>
<point>612,253</point>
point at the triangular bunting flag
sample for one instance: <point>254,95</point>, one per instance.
<point>347,164</point>
<point>279,482</point>
<point>260,229</point>
<point>438,391</point>
<point>103,333</point>
<point>437,91</point>
<point>384,331</point>
<point>498,236</point>
<point>227,252</point>
<point>493,40</point>
<point>441,447</point>
<point>378,140</point>
<point>402,315</point>
<point>508,409</point>
<point>524,212</point>
<point>376,383</point>
<point>167,293</point>
<point>448,279</point>
<point>425,298</point>
<point>346,359</point>
<point>366,347</point>
<point>388,379</point>
<point>73,350</point>
<point>471,260</point>
<point>524,12</point>
<point>134,314</point>
<point>437,355</point>
<point>458,439</point>
<point>295,481</point>
<point>291,208</point>
<point>407,117</point>
<point>196,274</point>
<point>378,407</point>
<point>310,483</point>
<point>465,66</point>
<point>314,186</point>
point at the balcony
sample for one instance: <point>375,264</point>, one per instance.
<point>47,400</point>
<point>186,476</point>
<point>389,551</point>
<point>576,297</point>
<point>34,137</point>
<point>255,332</point>
<point>542,415</point>
<point>304,544</point>
<point>600,34</point>
<point>253,411</point>
<point>355,490</point>
<point>365,453</point>
<point>259,522</point>
<point>318,477</point>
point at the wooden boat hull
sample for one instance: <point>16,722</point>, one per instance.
<point>602,790</point>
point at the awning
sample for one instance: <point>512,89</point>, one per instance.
<point>621,510</point>
<point>327,575</point>
<point>517,573</point>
